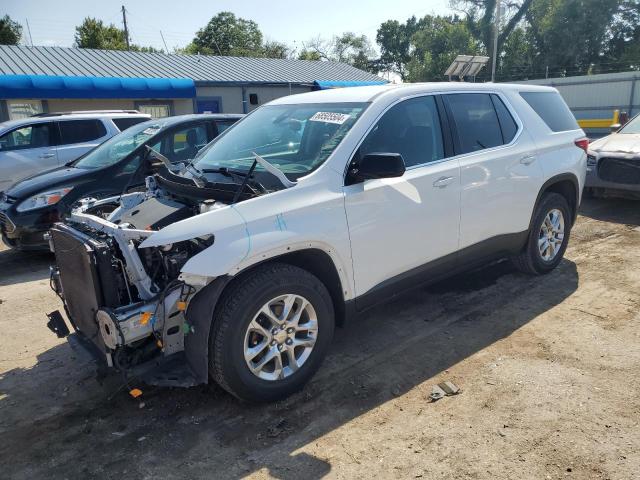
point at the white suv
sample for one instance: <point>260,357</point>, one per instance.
<point>36,144</point>
<point>309,211</point>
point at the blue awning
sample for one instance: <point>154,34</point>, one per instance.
<point>45,86</point>
<point>324,85</point>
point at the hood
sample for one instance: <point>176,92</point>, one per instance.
<point>59,177</point>
<point>618,142</point>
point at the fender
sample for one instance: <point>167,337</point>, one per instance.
<point>555,179</point>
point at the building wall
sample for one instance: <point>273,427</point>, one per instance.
<point>231,97</point>
<point>597,96</point>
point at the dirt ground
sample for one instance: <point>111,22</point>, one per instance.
<point>548,366</point>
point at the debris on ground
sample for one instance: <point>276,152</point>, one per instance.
<point>443,389</point>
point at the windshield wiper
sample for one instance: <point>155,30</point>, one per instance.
<point>275,171</point>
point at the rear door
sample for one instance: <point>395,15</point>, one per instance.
<point>499,173</point>
<point>78,137</point>
<point>401,226</point>
<point>27,150</point>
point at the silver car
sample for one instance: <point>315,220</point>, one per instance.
<point>613,162</point>
<point>36,144</point>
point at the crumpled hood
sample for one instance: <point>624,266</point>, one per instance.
<point>618,142</point>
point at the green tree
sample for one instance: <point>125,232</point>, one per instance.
<point>436,44</point>
<point>481,18</point>
<point>273,49</point>
<point>10,31</point>
<point>356,50</point>
<point>93,33</point>
<point>226,34</point>
<point>394,40</point>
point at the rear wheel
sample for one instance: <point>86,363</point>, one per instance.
<point>271,333</point>
<point>548,237</point>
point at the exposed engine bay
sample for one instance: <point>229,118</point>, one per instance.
<point>129,302</point>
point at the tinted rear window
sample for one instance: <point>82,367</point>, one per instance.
<point>551,108</point>
<point>476,121</point>
<point>80,131</point>
<point>124,123</point>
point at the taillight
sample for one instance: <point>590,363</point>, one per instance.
<point>582,143</point>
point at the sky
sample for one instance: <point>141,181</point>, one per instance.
<point>52,23</point>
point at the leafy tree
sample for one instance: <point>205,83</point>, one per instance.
<point>356,50</point>
<point>10,31</point>
<point>273,49</point>
<point>481,17</point>
<point>394,39</point>
<point>226,34</point>
<point>436,44</point>
<point>93,33</point>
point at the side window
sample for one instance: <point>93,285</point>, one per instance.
<point>223,125</point>
<point>80,131</point>
<point>507,123</point>
<point>124,123</point>
<point>36,135</point>
<point>551,108</point>
<point>410,128</point>
<point>476,121</point>
<point>185,143</point>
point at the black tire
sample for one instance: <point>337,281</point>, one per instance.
<point>530,260</point>
<point>237,308</point>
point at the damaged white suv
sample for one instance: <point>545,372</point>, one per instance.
<point>237,266</point>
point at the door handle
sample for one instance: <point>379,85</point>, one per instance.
<point>47,155</point>
<point>442,182</point>
<point>528,159</point>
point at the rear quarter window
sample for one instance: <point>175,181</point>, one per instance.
<point>551,108</point>
<point>80,131</point>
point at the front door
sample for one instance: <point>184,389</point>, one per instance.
<point>404,226</point>
<point>25,151</point>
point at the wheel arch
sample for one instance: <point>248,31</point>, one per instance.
<point>565,184</point>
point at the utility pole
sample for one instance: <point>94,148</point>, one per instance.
<point>496,33</point>
<point>29,30</point>
<point>166,50</point>
<point>126,30</point>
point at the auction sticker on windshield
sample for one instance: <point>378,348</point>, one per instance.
<point>330,117</point>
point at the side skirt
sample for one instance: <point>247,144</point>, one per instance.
<point>466,259</point>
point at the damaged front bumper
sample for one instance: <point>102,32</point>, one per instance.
<point>113,309</point>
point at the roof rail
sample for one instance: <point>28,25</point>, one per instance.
<point>58,114</point>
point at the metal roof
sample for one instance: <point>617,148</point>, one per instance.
<point>58,61</point>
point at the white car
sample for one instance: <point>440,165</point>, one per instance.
<point>49,140</point>
<point>311,210</point>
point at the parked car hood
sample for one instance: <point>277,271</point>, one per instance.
<point>618,142</point>
<point>40,182</point>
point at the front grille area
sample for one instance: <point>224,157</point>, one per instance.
<point>76,260</point>
<point>620,170</point>
<point>7,224</point>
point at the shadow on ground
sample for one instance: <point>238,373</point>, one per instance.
<point>18,267</point>
<point>198,432</point>
<point>616,210</point>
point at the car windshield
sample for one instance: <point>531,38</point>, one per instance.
<point>119,146</point>
<point>295,138</point>
<point>632,127</point>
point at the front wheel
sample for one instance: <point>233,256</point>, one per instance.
<point>271,333</point>
<point>548,237</point>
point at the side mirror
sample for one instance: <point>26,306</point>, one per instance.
<point>615,127</point>
<point>376,165</point>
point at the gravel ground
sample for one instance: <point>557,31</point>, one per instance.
<point>548,368</point>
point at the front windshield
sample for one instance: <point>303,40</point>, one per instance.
<point>295,138</point>
<point>632,127</point>
<point>119,146</point>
